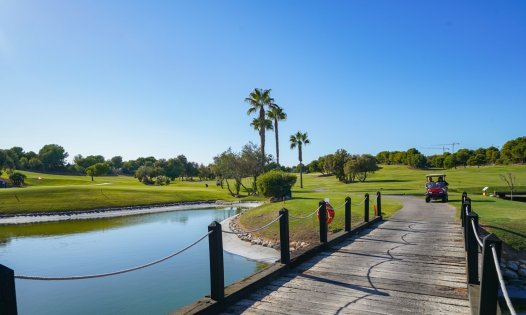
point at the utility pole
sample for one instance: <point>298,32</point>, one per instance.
<point>453,146</point>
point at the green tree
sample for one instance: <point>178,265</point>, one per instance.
<point>116,161</point>
<point>417,161</point>
<point>98,169</point>
<point>277,114</point>
<point>450,161</point>
<point>259,100</point>
<point>53,157</point>
<point>17,179</point>
<point>299,140</point>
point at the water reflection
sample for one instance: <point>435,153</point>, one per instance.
<point>93,246</point>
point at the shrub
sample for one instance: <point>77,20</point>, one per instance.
<point>17,179</point>
<point>162,180</point>
<point>276,183</point>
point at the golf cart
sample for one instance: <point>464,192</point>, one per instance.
<point>436,187</point>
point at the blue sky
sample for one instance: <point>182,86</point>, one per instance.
<point>162,78</point>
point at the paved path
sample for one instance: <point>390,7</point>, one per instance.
<point>410,264</point>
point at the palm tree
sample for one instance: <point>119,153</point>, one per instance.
<point>276,113</point>
<point>299,139</point>
<point>256,124</point>
<point>258,100</point>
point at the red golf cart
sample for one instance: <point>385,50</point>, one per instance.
<point>436,187</point>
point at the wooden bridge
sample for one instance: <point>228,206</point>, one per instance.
<point>412,263</point>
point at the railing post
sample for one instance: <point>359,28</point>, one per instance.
<point>379,204</point>
<point>467,209</point>
<point>284,236</point>
<point>347,214</point>
<point>217,275</point>
<point>7,291</point>
<point>462,208</point>
<point>473,246</point>
<point>322,216</point>
<point>366,208</point>
<point>489,282</point>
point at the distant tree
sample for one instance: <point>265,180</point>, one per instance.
<point>205,172</point>
<point>5,160</point>
<point>53,157</point>
<point>314,167</point>
<point>509,179</point>
<point>492,155</point>
<point>228,166</point>
<point>463,156</point>
<point>299,140</point>
<point>98,169</point>
<point>35,164</point>
<point>450,161</point>
<point>417,161</point>
<point>174,168</point>
<point>259,100</point>
<point>251,165</point>
<point>514,151</point>
<point>17,179</point>
<point>277,114</point>
<point>383,157</point>
<point>116,161</point>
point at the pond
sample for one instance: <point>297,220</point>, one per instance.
<point>79,247</point>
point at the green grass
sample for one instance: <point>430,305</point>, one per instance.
<point>62,193</point>
<point>54,193</point>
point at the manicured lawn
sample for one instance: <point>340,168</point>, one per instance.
<point>500,216</point>
<point>62,193</point>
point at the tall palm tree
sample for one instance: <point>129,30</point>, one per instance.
<point>256,124</point>
<point>276,113</point>
<point>259,100</point>
<point>299,140</point>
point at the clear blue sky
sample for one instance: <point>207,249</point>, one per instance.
<point>162,78</point>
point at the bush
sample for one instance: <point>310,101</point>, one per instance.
<point>276,183</point>
<point>17,179</point>
<point>162,180</point>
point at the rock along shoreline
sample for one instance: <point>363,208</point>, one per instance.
<point>8,219</point>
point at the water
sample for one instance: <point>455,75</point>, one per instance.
<point>71,248</point>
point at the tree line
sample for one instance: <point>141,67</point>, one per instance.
<point>512,152</point>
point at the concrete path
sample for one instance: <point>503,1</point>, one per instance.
<point>234,245</point>
<point>410,264</point>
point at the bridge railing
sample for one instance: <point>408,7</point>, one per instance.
<point>8,303</point>
<point>491,247</point>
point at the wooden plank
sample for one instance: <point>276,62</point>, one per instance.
<point>400,267</point>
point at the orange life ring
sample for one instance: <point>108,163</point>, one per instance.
<point>330,213</point>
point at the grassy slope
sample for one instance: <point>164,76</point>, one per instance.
<point>60,193</point>
<point>505,215</point>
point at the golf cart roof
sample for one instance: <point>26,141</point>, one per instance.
<point>435,175</point>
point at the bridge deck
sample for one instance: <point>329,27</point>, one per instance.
<point>413,263</point>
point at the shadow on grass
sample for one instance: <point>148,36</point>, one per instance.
<point>505,230</point>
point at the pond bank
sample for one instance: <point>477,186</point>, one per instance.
<point>117,212</point>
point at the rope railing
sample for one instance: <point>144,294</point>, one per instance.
<point>359,204</point>
<point>101,275</point>
<point>501,281</point>
<point>340,206</point>
<point>305,217</point>
<point>479,241</point>
<point>255,230</point>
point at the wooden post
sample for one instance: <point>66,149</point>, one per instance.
<point>217,274</point>
<point>323,222</point>
<point>379,203</point>
<point>284,236</point>
<point>489,282</point>
<point>462,209</point>
<point>466,223</point>
<point>347,214</point>
<point>366,208</point>
<point>7,291</point>
<point>473,247</point>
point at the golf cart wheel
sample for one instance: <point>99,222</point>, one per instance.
<point>444,199</point>
<point>428,199</point>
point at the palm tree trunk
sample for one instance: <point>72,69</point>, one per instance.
<point>276,133</point>
<point>301,166</point>
<point>262,134</point>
